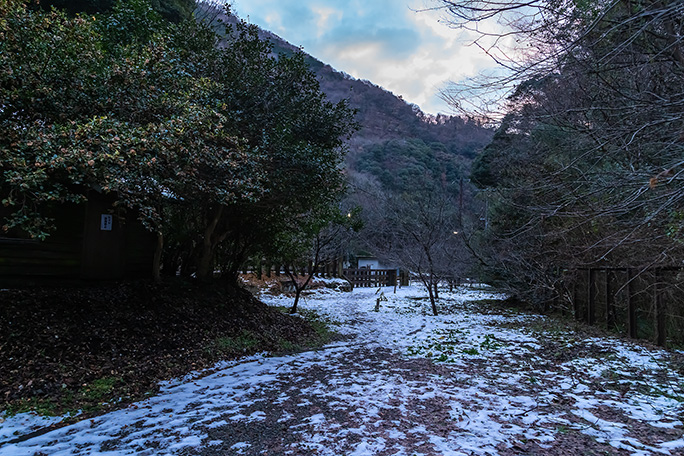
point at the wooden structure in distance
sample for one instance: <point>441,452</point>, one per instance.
<point>365,277</point>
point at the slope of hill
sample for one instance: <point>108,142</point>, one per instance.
<point>397,144</point>
<point>384,116</point>
<point>396,139</point>
<point>392,130</point>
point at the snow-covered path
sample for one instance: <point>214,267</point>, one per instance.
<point>471,381</point>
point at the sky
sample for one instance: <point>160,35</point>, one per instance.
<point>393,43</point>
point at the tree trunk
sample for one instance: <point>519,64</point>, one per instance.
<point>298,292</point>
<point>429,287</point>
<point>433,301</point>
<point>156,261</point>
<point>206,260</point>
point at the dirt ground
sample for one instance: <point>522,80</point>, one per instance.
<point>78,347</point>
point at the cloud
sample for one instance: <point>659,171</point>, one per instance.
<point>410,53</point>
<point>393,43</point>
<point>324,16</point>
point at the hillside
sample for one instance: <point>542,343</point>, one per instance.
<point>392,130</point>
<point>384,116</point>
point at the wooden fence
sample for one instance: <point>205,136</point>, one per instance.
<point>371,277</point>
<point>329,269</point>
<point>644,304</point>
<point>363,277</point>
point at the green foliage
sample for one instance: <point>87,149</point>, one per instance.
<point>491,165</point>
<point>321,324</point>
<point>403,165</point>
<point>287,346</point>
<point>131,22</point>
<point>175,10</point>
<point>101,389</point>
<point>675,227</point>
<point>79,6</point>
<point>223,148</point>
<point>490,343</point>
<point>242,343</point>
<point>276,106</point>
<point>93,396</point>
<point>79,117</point>
<point>42,407</point>
<point>172,10</point>
<point>449,345</point>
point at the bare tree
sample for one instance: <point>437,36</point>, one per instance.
<point>315,244</point>
<point>305,263</point>
<point>417,231</point>
<point>587,167</point>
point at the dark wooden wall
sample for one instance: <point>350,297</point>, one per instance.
<point>78,248</point>
<point>59,256</point>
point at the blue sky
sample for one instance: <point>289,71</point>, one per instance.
<point>412,54</point>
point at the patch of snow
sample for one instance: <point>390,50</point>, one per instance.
<point>489,384</point>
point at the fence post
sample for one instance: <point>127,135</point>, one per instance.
<point>660,327</point>
<point>610,302</point>
<point>631,308</point>
<point>557,302</point>
<point>591,301</point>
<point>575,303</point>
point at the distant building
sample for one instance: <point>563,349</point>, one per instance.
<point>371,262</point>
<point>370,271</point>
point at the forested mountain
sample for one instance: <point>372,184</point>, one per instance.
<point>384,116</point>
<point>392,130</point>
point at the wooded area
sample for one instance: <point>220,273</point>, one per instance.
<point>586,171</point>
<point>232,154</point>
<point>221,149</point>
<point>640,304</point>
<point>138,140</point>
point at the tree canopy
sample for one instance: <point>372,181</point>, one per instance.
<point>172,10</point>
<point>586,169</point>
<point>223,146</point>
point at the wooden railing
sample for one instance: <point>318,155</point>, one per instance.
<point>642,303</point>
<point>371,277</point>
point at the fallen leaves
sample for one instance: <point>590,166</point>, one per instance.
<point>59,341</point>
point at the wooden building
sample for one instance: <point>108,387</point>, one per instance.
<point>371,262</point>
<point>370,271</point>
<point>92,241</point>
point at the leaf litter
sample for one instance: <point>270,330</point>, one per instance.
<point>476,380</point>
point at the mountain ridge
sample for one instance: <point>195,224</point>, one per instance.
<point>384,116</point>
<point>393,133</point>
